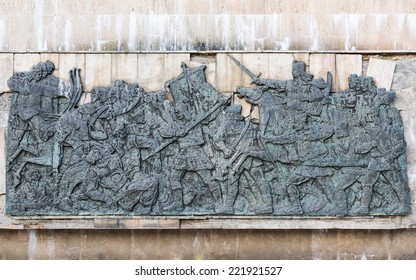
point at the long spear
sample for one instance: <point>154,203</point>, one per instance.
<point>195,123</point>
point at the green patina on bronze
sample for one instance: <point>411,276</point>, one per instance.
<point>186,150</point>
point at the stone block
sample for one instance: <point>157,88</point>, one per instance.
<point>150,71</point>
<point>2,207</point>
<point>24,62</point>
<point>210,73</point>
<point>155,69</point>
<point>41,244</point>
<point>250,245</point>
<point>117,245</point>
<point>196,244</point>
<point>67,244</point>
<point>94,245</point>
<point>103,223</point>
<point>5,99</point>
<point>366,60</point>
<point>376,245</point>
<point>382,71</point>
<point>324,245</point>
<point>409,124</point>
<point>320,64</point>
<point>13,245</point>
<point>168,245</point>
<point>404,72</point>
<point>229,75</point>
<point>172,64</point>
<point>280,66</point>
<point>411,163</point>
<point>4,117</point>
<point>148,223</point>
<point>97,70</point>
<point>224,244</point>
<point>405,99</point>
<point>124,67</point>
<point>412,186</point>
<point>128,223</point>
<point>3,156</point>
<point>68,62</point>
<point>411,174</point>
<point>256,63</point>
<point>403,245</point>
<point>287,245</point>
<point>346,65</point>
<point>6,70</point>
<point>144,244</point>
<point>350,245</point>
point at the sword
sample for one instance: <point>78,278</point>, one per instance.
<point>245,69</point>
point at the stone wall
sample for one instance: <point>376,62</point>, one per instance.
<point>111,40</point>
<point>208,244</point>
<point>171,25</point>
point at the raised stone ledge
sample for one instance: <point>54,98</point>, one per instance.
<point>225,222</point>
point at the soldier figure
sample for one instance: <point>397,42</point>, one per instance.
<point>244,154</point>
<point>191,157</point>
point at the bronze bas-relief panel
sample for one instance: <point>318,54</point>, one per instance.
<point>186,150</point>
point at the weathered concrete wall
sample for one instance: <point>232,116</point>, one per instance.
<point>160,25</point>
<point>208,244</point>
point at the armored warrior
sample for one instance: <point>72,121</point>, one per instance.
<point>35,88</point>
<point>302,90</point>
<point>386,157</point>
<point>243,154</point>
<point>191,157</point>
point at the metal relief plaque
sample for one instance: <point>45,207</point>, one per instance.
<point>187,150</point>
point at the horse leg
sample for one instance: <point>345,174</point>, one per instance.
<point>40,161</point>
<point>24,148</point>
